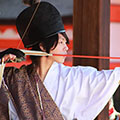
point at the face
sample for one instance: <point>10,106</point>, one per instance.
<point>61,48</point>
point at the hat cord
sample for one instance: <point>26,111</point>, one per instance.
<point>29,24</point>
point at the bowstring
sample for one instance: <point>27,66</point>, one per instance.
<point>80,56</point>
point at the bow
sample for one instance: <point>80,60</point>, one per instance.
<point>2,66</point>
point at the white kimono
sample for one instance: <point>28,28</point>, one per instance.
<point>80,92</point>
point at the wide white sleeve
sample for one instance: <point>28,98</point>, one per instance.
<point>95,90</point>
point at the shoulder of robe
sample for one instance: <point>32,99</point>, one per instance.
<point>11,72</point>
<point>65,70</point>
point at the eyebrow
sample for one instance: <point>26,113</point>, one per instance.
<point>64,39</point>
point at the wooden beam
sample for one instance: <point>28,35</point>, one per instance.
<point>91,20</point>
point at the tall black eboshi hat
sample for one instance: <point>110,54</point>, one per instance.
<point>45,23</point>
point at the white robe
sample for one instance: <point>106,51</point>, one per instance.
<point>80,92</point>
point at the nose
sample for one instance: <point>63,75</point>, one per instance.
<point>66,47</point>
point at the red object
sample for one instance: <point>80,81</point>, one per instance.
<point>111,111</point>
<point>115,13</point>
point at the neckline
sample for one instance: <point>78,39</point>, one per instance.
<point>53,66</point>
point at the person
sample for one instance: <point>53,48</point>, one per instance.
<point>47,89</point>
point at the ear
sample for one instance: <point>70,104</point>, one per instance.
<point>41,47</point>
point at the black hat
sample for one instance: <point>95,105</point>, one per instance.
<point>46,22</point>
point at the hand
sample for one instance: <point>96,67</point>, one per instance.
<point>12,55</point>
<point>9,57</point>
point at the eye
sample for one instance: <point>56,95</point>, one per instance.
<point>61,42</point>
